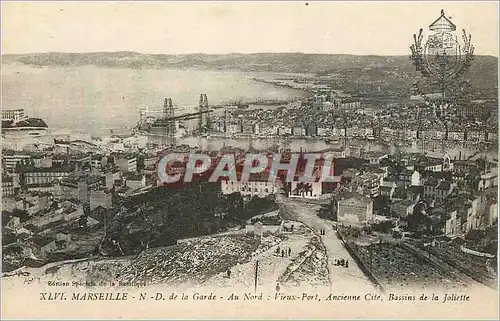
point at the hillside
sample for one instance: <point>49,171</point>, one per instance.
<point>272,62</point>
<point>483,72</point>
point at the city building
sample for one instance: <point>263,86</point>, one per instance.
<point>284,130</point>
<point>476,219</point>
<point>10,161</point>
<point>298,131</point>
<point>78,187</point>
<point>488,179</point>
<point>81,161</point>
<point>111,177</point>
<point>42,162</point>
<point>415,193</point>
<point>47,175</point>
<point>436,189</point>
<point>101,197</point>
<point>13,223</point>
<point>338,153</point>
<point>126,164</point>
<point>437,165</point>
<point>493,214</point>
<point>98,162</point>
<point>351,207</point>
<point>405,178</point>
<point>257,185</point>
<point>67,211</point>
<point>492,136</point>
<point>350,104</point>
<point>14,115</point>
<point>475,136</point>
<point>367,184</point>
<point>375,157</point>
<point>387,189</point>
<point>150,164</point>
<point>403,208</point>
<point>456,135</point>
<point>454,226</point>
<point>443,190</point>
<point>468,212</point>
<point>134,180</point>
<point>416,179</point>
<point>7,186</point>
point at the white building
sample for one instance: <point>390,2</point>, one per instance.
<point>134,180</point>
<point>101,197</point>
<point>454,225</point>
<point>126,164</point>
<point>10,161</point>
<point>353,208</point>
<point>415,179</point>
<point>493,214</point>
<point>251,188</point>
<point>14,115</point>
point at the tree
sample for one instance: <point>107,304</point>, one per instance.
<point>384,227</point>
<point>235,206</point>
<point>381,203</point>
<point>400,193</point>
<point>82,221</point>
<point>23,215</point>
<point>417,220</point>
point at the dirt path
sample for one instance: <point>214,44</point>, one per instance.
<point>341,278</point>
<point>271,267</point>
<point>274,269</point>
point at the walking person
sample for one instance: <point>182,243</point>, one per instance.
<point>278,251</point>
<point>228,273</point>
<point>277,287</point>
<point>289,251</point>
<point>282,253</point>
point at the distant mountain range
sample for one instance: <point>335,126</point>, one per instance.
<point>483,72</point>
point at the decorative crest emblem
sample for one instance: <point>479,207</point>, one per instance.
<point>442,57</point>
<point>443,61</point>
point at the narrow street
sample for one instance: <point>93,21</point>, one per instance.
<point>341,278</point>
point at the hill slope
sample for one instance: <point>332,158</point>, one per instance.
<point>483,72</point>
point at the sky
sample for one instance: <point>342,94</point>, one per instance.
<point>362,28</point>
